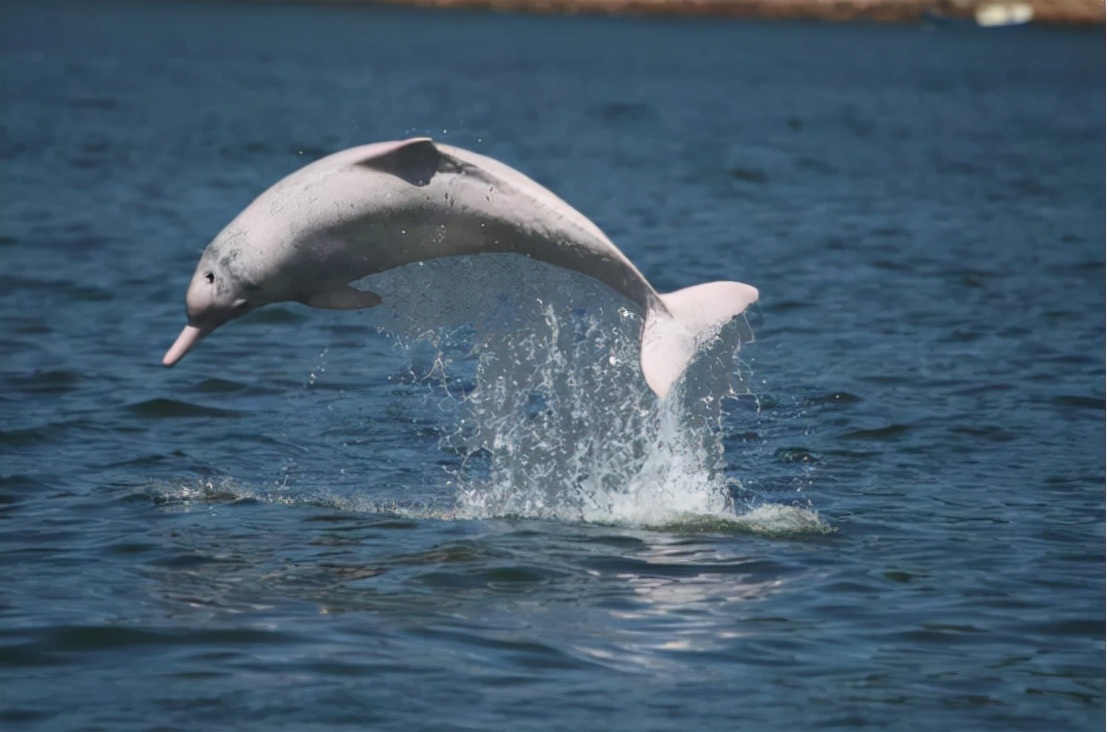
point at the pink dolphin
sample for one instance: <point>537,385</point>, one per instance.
<point>372,208</point>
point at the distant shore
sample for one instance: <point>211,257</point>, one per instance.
<point>1058,12</point>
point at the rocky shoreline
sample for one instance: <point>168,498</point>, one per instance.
<point>1063,12</point>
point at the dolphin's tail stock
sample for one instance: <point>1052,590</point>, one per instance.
<point>690,318</point>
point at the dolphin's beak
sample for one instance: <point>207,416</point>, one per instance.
<point>189,337</point>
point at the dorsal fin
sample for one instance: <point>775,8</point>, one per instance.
<point>415,161</point>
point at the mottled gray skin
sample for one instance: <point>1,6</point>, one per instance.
<point>377,207</point>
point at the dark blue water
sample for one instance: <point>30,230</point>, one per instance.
<point>897,523</point>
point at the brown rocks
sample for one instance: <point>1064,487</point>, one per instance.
<point>1074,12</point>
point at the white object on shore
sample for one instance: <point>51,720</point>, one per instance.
<point>998,15</point>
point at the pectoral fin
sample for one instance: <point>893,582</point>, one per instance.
<point>344,298</point>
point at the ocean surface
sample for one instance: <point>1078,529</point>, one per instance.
<point>464,510</point>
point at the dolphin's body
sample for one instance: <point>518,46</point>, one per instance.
<point>372,208</point>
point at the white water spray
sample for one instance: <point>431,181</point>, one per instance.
<point>548,404</point>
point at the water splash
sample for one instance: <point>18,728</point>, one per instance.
<point>547,405</point>
<point>567,430</point>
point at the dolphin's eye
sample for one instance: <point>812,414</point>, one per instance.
<point>210,277</point>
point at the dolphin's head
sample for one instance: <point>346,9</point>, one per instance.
<point>217,294</point>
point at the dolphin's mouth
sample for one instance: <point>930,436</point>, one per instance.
<point>189,337</point>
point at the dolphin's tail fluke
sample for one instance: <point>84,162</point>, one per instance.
<point>691,317</point>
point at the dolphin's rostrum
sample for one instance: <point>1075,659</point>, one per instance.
<point>372,208</point>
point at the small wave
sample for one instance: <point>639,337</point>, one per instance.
<point>229,490</point>
<point>223,490</point>
<point>172,408</point>
<point>781,521</point>
<point>673,514</point>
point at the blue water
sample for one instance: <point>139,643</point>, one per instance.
<point>391,521</point>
